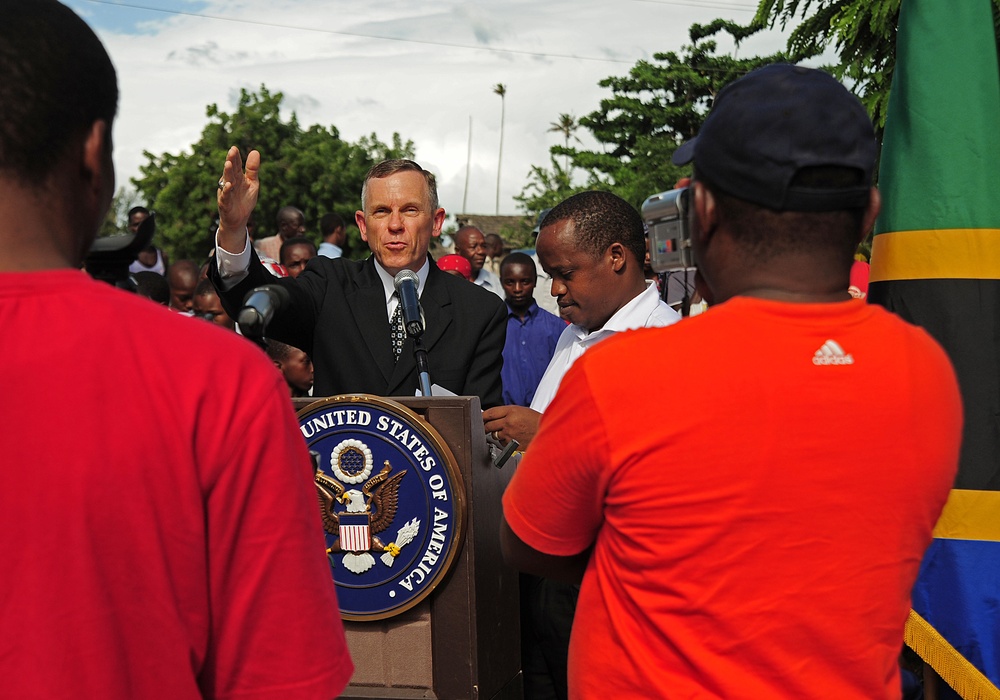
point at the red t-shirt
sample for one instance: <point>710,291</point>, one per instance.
<point>158,524</point>
<point>759,484</point>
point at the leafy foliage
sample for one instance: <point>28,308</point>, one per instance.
<point>546,187</point>
<point>652,110</point>
<point>863,33</point>
<point>312,169</point>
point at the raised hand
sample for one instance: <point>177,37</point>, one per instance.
<point>237,198</point>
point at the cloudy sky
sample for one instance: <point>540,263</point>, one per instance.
<point>422,68</point>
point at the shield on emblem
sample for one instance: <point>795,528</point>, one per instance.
<point>355,535</point>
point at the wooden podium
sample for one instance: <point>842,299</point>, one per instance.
<point>463,641</point>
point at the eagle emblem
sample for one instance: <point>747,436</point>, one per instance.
<point>356,517</point>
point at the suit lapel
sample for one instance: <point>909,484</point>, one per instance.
<point>436,303</point>
<point>367,303</point>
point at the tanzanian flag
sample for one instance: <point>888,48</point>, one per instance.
<point>936,262</point>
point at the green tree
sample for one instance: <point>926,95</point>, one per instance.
<point>863,33</point>
<point>660,104</point>
<point>313,169</point>
<point>567,126</point>
<point>546,187</point>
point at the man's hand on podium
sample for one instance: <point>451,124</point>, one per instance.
<point>508,423</point>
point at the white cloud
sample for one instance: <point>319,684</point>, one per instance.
<point>324,58</point>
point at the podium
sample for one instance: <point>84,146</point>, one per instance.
<point>463,640</point>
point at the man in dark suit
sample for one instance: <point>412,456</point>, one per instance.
<point>340,309</point>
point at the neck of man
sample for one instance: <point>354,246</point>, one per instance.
<point>522,310</point>
<point>637,285</point>
<point>36,235</point>
<point>797,279</point>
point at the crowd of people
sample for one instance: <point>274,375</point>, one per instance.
<point>694,513</point>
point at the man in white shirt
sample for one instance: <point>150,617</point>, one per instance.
<point>593,246</point>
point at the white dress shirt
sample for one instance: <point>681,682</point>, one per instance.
<point>644,311</point>
<point>329,250</point>
<point>487,280</point>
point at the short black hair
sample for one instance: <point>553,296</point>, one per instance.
<point>764,233</point>
<point>289,212</point>
<point>601,219</point>
<point>137,210</point>
<point>152,285</point>
<point>57,81</point>
<point>205,288</point>
<point>295,240</point>
<point>518,259</point>
<point>330,223</point>
<point>278,351</point>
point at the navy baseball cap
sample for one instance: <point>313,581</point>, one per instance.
<point>774,121</point>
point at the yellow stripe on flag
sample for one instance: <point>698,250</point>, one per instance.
<point>972,253</point>
<point>967,680</point>
<point>970,515</point>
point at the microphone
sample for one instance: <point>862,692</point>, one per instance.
<point>259,308</point>
<point>405,282</point>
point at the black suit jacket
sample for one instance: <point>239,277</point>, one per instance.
<point>338,315</point>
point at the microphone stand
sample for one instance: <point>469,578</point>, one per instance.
<point>420,355</point>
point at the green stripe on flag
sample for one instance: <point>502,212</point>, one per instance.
<point>940,163</point>
<point>936,262</point>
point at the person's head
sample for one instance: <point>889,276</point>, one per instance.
<point>456,265</point>
<point>182,276</point>
<point>592,245</point>
<point>494,246</point>
<point>518,276</point>
<point>294,365</point>
<point>470,243</point>
<point>58,99</point>
<point>295,253</point>
<point>136,215</point>
<point>782,189</point>
<point>208,306</point>
<point>333,230</point>
<point>291,222</point>
<point>152,285</point>
<point>399,214</point>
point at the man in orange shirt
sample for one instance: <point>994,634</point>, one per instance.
<point>743,546</point>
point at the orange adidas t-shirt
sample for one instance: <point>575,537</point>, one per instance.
<point>759,484</point>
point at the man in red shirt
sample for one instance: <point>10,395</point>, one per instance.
<point>158,527</point>
<point>744,544</point>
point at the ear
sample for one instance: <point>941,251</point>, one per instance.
<point>359,219</point>
<point>439,217</point>
<point>617,254</point>
<point>96,168</point>
<point>706,212</point>
<point>871,213</point>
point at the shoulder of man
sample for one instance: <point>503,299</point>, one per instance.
<point>550,319</point>
<point>663,315</point>
<point>164,330</point>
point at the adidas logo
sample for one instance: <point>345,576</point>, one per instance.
<point>832,354</point>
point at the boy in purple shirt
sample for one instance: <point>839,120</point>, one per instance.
<point>532,332</point>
